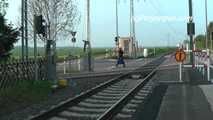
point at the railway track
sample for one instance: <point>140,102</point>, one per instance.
<point>115,99</point>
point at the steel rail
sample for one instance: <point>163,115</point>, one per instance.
<point>73,101</point>
<point>111,112</point>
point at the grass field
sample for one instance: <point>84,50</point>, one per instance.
<point>61,51</point>
<point>160,50</point>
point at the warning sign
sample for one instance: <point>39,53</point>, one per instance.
<point>180,55</point>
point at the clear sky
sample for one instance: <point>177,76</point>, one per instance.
<point>155,21</point>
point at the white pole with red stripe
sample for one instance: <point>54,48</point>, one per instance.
<point>180,72</point>
<point>208,65</point>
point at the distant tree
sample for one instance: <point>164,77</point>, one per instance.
<point>8,36</point>
<point>210,30</point>
<point>3,6</point>
<point>186,41</point>
<point>200,40</point>
<point>200,37</point>
<point>61,15</point>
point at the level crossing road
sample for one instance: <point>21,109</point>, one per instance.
<point>107,65</point>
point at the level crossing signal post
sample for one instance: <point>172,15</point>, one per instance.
<point>73,40</point>
<point>40,27</point>
<point>88,56</point>
<point>191,30</point>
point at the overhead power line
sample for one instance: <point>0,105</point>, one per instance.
<point>161,13</point>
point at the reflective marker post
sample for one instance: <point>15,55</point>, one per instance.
<point>180,72</point>
<point>65,65</point>
<point>208,65</point>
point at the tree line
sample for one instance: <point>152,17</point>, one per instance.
<point>62,15</point>
<point>8,33</point>
<point>200,39</point>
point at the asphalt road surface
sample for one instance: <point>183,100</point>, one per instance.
<point>104,65</point>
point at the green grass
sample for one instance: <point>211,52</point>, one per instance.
<point>27,91</point>
<point>61,51</point>
<point>160,50</point>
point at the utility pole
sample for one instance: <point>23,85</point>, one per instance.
<point>22,29</point>
<point>88,36</point>
<point>206,14</point>
<point>26,28</point>
<point>117,34</point>
<point>53,26</point>
<point>132,29</point>
<point>35,52</point>
<point>191,31</point>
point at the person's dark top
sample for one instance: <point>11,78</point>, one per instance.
<point>120,53</point>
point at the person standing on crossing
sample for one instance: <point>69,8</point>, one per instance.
<point>120,58</point>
